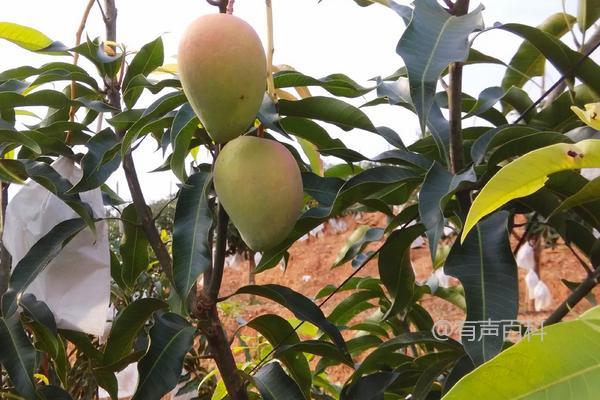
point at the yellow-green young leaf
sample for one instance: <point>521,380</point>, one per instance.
<point>590,115</point>
<point>527,174</point>
<point>316,164</point>
<point>561,361</point>
<point>24,36</point>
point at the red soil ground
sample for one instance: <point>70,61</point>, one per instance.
<point>315,257</point>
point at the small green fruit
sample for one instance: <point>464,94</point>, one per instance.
<point>222,67</point>
<point>259,184</point>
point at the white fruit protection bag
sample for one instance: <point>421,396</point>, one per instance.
<point>76,284</point>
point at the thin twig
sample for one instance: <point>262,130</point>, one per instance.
<point>564,76</point>
<point>84,18</point>
<point>576,296</point>
<point>587,45</point>
<point>270,50</point>
<point>581,260</point>
<point>163,208</point>
<point>102,11</point>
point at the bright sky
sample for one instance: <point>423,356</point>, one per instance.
<point>333,36</point>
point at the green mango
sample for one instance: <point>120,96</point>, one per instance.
<point>223,71</point>
<point>258,183</point>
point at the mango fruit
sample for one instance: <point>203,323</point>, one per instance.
<point>258,183</point>
<point>223,70</point>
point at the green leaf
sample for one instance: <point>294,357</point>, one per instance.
<point>192,252</point>
<point>274,384</point>
<point>558,53</point>
<point>558,115</point>
<point>433,39</point>
<point>12,171</point>
<point>524,144</point>
<point>26,37</point>
<point>182,131</point>
<point>83,343</point>
<point>310,150</point>
<point>488,140</point>
<point>17,356</point>
<point>571,360</point>
<point>396,269</point>
<point>126,327</point>
<point>590,192</point>
<point>93,50</point>
<point>159,108</point>
<point>123,120</point>
<point>133,247</point>
<point>435,365</point>
<point>362,236</point>
<point>100,161</point>
<point>140,82</point>
<point>14,138</point>
<point>353,305</point>
<point>379,358</point>
<point>439,185</point>
<point>36,259</point>
<point>369,387</point>
<point>43,325</point>
<point>51,392</point>
<point>344,195</point>
<point>327,109</point>
<point>527,174</point>
<point>588,12</point>
<point>279,332</point>
<point>150,57</point>
<point>485,266</point>
<point>528,61</point>
<point>317,347</point>
<point>171,338</point>
<point>301,306</point>
<point>336,84</point>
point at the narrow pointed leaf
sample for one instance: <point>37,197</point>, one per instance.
<point>528,174</point>
<point>485,266</point>
<point>133,247</point>
<point>274,384</point>
<point>279,332</point>
<point>126,327</point>
<point>327,109</point>
<point>571,362</point>
<point>101,160</point>
<point>182,132</point>
<point>150,57</point>
<point>192,252</point>
<point>171,338</point>
<point>395,267</point>
<point>528,61</point>
<point>433,39</point>
<point>36,259</point>
<point>588,12</point>
<point>17,356</point>
<point>301,306</point>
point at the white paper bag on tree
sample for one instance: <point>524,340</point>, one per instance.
<point>76,284</point>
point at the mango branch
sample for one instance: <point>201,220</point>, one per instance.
<point>456,156</point>
<point>575,297</point>
<point>143,211</point>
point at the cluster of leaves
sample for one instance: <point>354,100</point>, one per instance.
<point>391,349</point>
